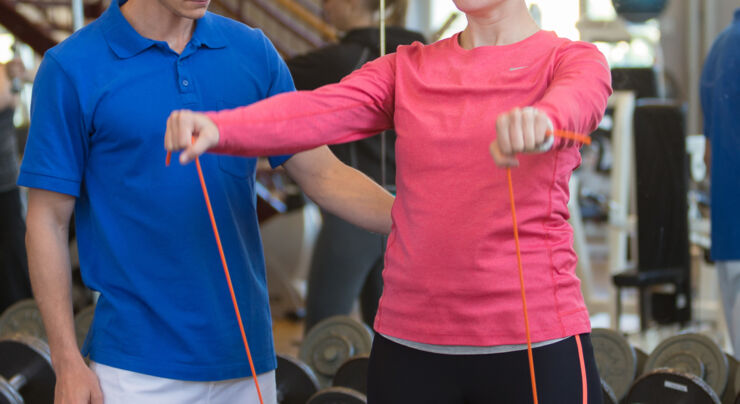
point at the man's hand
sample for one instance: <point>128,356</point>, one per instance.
<point>182,127</point>
<point>521,130</point>
<point>76,383</point>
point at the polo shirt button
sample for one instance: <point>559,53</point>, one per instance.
<point>185,83</point>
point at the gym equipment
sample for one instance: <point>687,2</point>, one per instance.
<point>662,211</point>
<point>737,379</point>
<point>642,80</point>
<point>639,10</point>
<point>615,359</point>
<point>732,384</point>
<point>295,381</point>
<point>692,354</point>
<point>607,393</point>
<point>26,375</point>
<point>353,374</point>
<point>338,395</point>
<point>670,386</point>
<point>642,358</point>
<point>83,320</point>
<point>685,362</point>
<point>23,318</point>
<point>331,342</point>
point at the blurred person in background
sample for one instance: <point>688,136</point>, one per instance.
<point>720,98</point>
<point>347,260</point>
<point>14,283</point>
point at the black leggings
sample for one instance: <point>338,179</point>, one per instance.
<point>401,375</point>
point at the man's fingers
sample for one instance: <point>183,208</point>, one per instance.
<point>96,396</point>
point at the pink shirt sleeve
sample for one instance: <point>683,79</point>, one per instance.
<point>576,98</point>
<point>359,106</point>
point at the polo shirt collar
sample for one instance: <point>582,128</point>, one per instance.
<point>207,33</point>
<point>125,42</point>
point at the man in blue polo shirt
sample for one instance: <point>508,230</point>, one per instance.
<point>164,328</point>
<point>720,98</point>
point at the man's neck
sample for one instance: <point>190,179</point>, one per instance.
<point>503,24</point>
<point>151,19</point>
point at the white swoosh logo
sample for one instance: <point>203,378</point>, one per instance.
<point>511,69</point>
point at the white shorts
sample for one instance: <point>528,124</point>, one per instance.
<point>124,387</point>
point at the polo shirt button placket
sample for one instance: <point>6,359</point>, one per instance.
<point>187,91</point>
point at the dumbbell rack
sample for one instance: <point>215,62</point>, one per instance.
<point>686,368</point>
<point>26,374</point>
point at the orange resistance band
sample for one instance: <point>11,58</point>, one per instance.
<point>226,272</point>
<point>585,140</point>
<point>570,135</point>
<point>584,382</point>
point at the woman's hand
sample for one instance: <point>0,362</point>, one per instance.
<point>521,130</point>
<point>192,132</point>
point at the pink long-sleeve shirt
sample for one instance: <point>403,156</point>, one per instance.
<point>451,274</point>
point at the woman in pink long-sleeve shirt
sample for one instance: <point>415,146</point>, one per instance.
<point>450,324</point>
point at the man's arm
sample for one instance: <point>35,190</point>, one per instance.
<point>48,261</point>
<point>7,98</point>
<point>342,190</point>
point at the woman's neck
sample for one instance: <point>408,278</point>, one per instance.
<point>505,23</point>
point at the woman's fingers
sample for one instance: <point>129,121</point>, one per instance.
<point>525,130</point>
<point>501,159</point>
<point>184,126</point>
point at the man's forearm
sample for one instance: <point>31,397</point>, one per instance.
<point>357,199</point>
<point>342,190</point>
<point>50,272</point>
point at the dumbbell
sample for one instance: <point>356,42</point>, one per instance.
<point>332,342</point>
<point>607,393</point>
<point>26,375</point>
<point>295,381</point>
<point>693,354</point>
<point>23,318</point>
<point>617,361</point>
<point>338,395</point>
<point>353,374</point>
<point>663,385</point>
<point>731,390</point>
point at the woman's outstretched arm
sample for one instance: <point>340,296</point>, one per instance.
<point>359,106</point>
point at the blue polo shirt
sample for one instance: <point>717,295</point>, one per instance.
<point>100,104</point>
<point>720,98</point>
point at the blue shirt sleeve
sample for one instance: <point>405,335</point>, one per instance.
<point>57,144</point>
<point>282,82</point>
<point>719,85</point>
